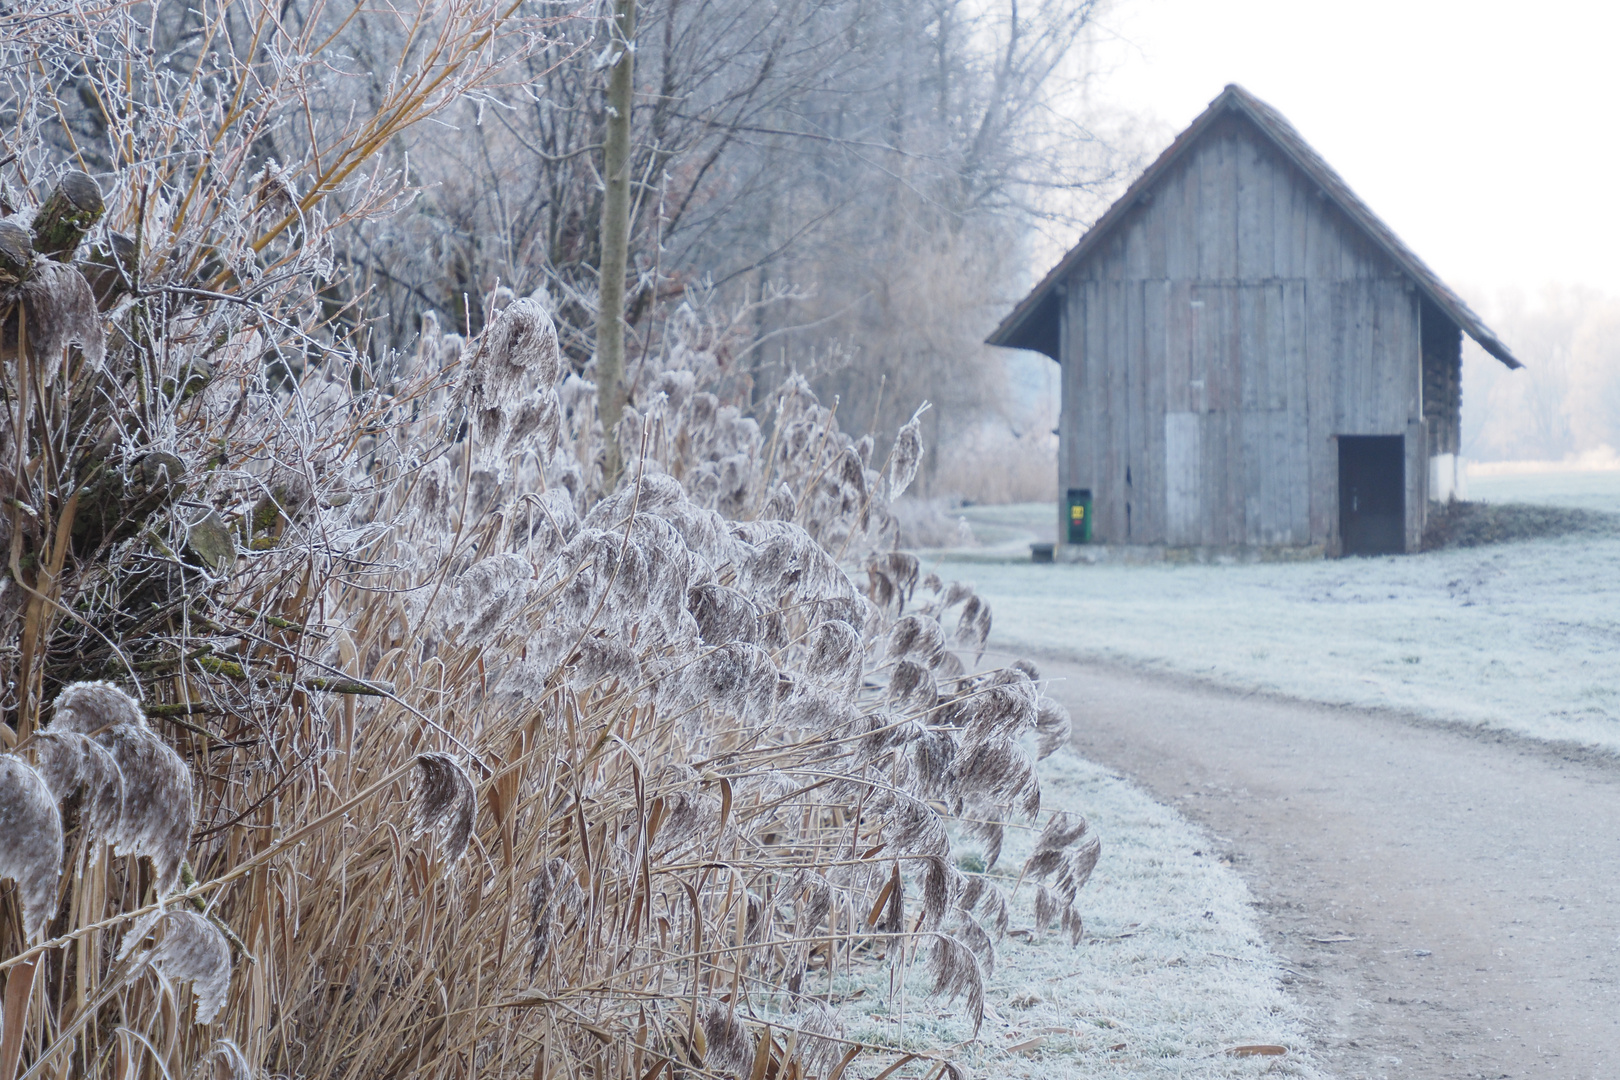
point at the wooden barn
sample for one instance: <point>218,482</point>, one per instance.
<point>1251,358</point>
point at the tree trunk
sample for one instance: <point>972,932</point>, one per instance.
<point>615,237</point>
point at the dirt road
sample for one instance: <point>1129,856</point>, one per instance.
<point>1449,904</point>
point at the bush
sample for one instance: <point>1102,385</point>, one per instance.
<point>1471,524</point>
<point>355,729</point>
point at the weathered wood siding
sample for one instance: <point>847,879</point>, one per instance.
<point>1442,381</point>
<point>1216,344</point>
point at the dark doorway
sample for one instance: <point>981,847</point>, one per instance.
<point>1372,494</point>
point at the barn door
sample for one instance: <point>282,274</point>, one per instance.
<point>1372,494</point>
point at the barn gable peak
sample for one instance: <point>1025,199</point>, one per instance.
<point>1033,324</point>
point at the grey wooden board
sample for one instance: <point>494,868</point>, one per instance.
<point>1183,451</point>
<point>1231,329</point>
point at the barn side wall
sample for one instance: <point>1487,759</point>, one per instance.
<point>1217,343</point>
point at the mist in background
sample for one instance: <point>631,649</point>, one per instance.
<point>1564,405</point>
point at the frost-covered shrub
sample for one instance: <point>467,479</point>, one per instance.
<point>356,728</point>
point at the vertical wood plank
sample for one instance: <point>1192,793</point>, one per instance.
<point>1384,364</point>
<point>1253,354</point>
<point>1278,381</point>
<point>1099,264</point>
<point>1072,423</point>
<point>1068,405</point>
<point>1348,370</point>
<point>1298,210</point>
<point>1134,265</point>
<point>1111,481</point>
<point>1296,441</point>
<point>1203,318</point>
<point>1211,480</point>
<point>1180,337</point>
<point>1290,479</point>
<point>1284,242</point>
<point>1236,481</point>
<point>1206,217</point>
<point>1097,390</point>
<point>1250,470</point>
<point>1085,345</point>
<point>1135,476</point>
<point>1225,382</point>
<point>1223,211</point>
<point>1409,353</point>
<point>1417,483</point>
<point>1219,452</point>
<point>1184,477</point>
<point>1182,237</point>
<point>1156,301</point>
<point>1256,248</point>
<point>1155,223</point>
<point>1325,245</point>
<point>1320,420</point>
<point>1112,258</point>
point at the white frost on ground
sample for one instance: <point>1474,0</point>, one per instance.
<point>1172,972</point>
<point>1171,975</point>
<point>1523,637</point>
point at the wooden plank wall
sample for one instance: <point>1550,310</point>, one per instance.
<point>1217,343</point>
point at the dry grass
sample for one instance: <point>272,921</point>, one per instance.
<point>427,756</point>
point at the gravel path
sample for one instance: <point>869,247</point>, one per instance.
<point>1448,900</point>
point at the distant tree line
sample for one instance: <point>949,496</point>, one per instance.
<point>1566,401</point>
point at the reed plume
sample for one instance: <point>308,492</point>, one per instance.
<point>354,727</point>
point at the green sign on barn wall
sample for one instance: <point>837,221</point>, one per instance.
<point>1078,507</point>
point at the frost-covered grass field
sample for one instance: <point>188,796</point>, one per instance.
<point>1172,974</point>
<point>1523,637</point>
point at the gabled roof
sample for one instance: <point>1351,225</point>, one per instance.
<point>1032,324</point>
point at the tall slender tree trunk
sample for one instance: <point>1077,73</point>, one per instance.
<point>615,236</point>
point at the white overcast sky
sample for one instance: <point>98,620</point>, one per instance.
<point>1485,134</point>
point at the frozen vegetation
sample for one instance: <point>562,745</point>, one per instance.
<point>1171,978</point>
<point>1514,636</point>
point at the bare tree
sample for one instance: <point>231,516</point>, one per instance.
<point>610,314</point>
<point>872,167</point>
